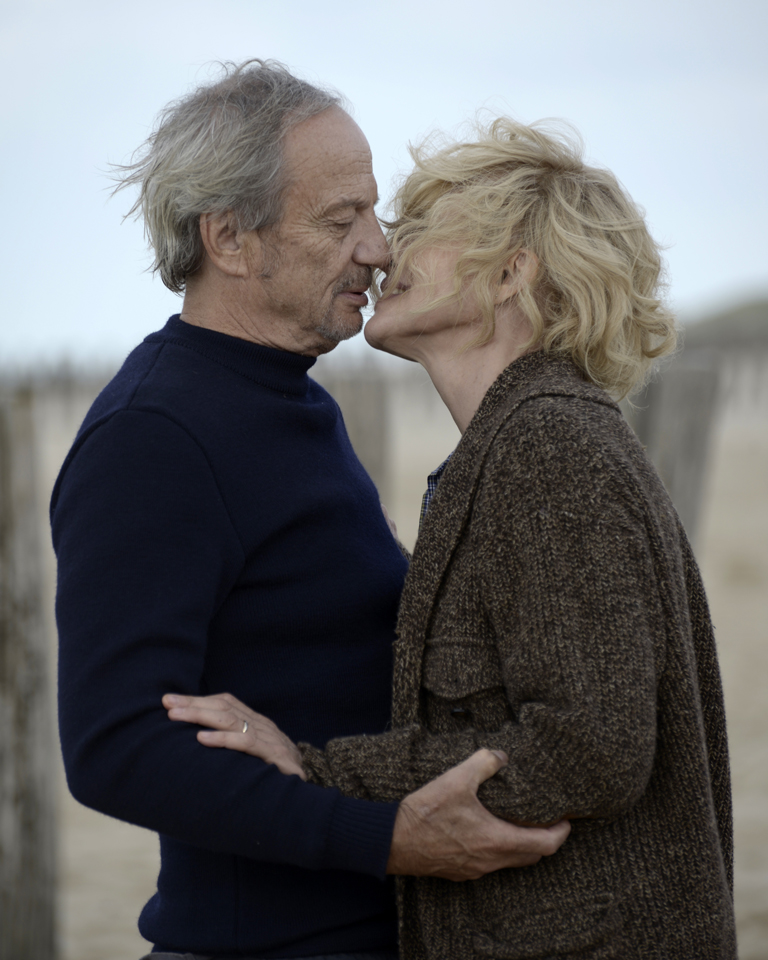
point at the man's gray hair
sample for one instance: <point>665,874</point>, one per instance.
<point>218,149</point>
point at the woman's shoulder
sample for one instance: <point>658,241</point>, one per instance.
<point>539,375</point>
<point>543,394</point>
<point>544,423</point>
<point>573,445</point>
<point>544,419</point>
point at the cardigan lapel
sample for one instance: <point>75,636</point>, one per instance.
<point>533,375</point>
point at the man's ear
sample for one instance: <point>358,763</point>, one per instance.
<point>520,271</point>
<point>228,247</point>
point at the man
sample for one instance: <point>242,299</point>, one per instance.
<point>215,531</point>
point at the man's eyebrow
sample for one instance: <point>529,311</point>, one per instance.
<point>344,202</point>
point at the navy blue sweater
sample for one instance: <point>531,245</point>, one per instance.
<point>216,532</point>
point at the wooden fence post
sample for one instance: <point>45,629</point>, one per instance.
<point>362,396</point>
<point>27,769</point>
<point>673,418</point>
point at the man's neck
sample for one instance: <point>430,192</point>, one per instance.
<point>218,307</point>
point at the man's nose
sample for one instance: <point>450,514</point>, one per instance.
<point>372,249</point>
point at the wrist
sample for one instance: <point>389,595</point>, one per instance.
<point>401,848</point>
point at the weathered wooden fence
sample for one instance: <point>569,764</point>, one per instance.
<point>27,770</point>
<point>673,417</point>
<point>362,396</point>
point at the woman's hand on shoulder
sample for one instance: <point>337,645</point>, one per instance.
<point>236,727</point>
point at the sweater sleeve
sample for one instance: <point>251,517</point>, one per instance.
<point>566,576</point>
<point>146,555</point>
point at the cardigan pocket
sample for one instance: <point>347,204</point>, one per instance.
<point>463,686</point>
<point>585,927</point>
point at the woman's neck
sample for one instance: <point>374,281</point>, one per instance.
<point>462,377</point>
<point>463,380</point>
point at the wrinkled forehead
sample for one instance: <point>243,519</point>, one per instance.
<point>328,157</point>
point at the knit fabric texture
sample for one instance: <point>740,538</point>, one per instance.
<point>553,598</point>
<point>216,532</point>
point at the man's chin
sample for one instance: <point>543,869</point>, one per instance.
<point>336,330</point>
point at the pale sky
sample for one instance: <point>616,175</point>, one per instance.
<point>672,95</point>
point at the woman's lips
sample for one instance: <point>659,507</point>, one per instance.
<point>400,288</point>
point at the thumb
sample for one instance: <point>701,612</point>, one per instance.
<point>482,765</point>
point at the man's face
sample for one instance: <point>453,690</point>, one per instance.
<point>317,263</point>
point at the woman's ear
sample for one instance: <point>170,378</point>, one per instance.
<point>228,247</point>
<point>520,271</point>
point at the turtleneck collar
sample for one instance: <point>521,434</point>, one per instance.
<point>277,369</point>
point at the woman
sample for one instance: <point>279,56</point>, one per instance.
<point>553,608</point>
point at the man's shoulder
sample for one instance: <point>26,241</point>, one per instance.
<point>121,390</point>
<point>141,405</point>
<point>162,376</point>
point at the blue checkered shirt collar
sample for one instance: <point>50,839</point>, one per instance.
<point>432,481</point>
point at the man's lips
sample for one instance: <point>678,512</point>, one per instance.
<point>358,297</point>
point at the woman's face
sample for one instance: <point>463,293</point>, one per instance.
<point>400,325</point>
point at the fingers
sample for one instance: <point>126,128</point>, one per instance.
<point>522,846</point>
<point>216,719</point>
<point>243,744</point>
<point>220,711</point>
<point>222,738</point>
<point>557,834</point>
<point>234,726</point>
<point>482,765</point>
<point>390,521</point>
<point>218,701</point>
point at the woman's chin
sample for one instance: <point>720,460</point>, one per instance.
<point>375,336</point>
<point>387,344</point>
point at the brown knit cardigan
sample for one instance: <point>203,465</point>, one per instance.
<point>553,609</point>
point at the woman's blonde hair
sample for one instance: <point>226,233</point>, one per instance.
<point>596,293</point>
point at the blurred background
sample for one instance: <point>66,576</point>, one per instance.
<point>673,96</point>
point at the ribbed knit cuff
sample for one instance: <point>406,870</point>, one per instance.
<point>360,836</point>
<point>315,765</point>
